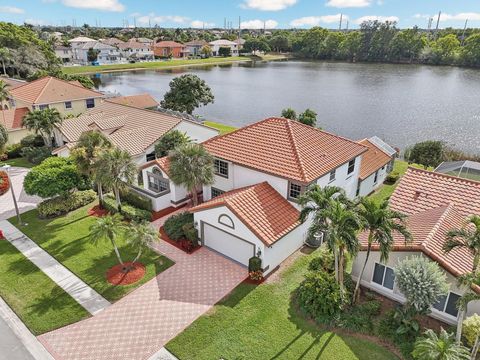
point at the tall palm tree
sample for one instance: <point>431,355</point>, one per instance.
<point>380,222</point>
<point>4,96</point>
<point>108,228</point>
<point>191,166</point>
<point>43,122</point>
<point>141,235</point>
<point>86,154</point>
<point>116,169</point>
<point>439,347</point>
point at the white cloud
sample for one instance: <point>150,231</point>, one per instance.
<point>11,10</point>
<point>460,17</point>
<point>378,18</point>
<point>421,16</point>
<point>106,5</point>
<point>268,5</point>
<point>36,22</point>
<point>348,3</point>
<point>316,20</point>
<point>154,19</point>
<point>258,24</point>
<point>201,24</point>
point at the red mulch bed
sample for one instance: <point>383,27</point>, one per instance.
<point>116,276</point>
<point>97,211</point>
<point>159,214</point>
<point>182,244</point>
<point>253,282</point>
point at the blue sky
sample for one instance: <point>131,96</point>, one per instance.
<point>209,13</point>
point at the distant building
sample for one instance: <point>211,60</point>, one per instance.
<point>135,50</point>
<point>12,120</point>
<point>194,47</point>
<point>64,53</point>
<point>80,41</point>
<point>107,54</point>
<point>143,40</point>
<point>112,41</point>
<point>217,44</point>
<point>166,49</point>
<point>141,101</point>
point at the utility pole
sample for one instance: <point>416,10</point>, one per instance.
<point>438,22</point>
<point>464,29</point>
<point>340,24</point>
<point>224,23</point>
<point>346,29</point>
<point>239,29</point>
<point>264,27</point>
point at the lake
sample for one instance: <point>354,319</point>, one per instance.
<point>402,104</point>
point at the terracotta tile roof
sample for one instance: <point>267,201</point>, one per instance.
<point>13,118</point>
<point>285,148</point>
<point>168,44</point>
<point>372,160</point>
<point>142,101</point>
<point>131,129</point>
<point>163,163</point>
<point>12,83</point>
<point>196,43</point>
<point>51,90</point>
<point>133,45</point>
<point>261,208</point>
<point>112,41</point>
<point>421,190</point>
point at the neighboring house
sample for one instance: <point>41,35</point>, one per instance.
<point>112,41</point>
<point>50,92</point>
<point>80,41</point>
<point>64,53</point>
<point>194,47</point>
<point>145,41</point>
<point>136,50</point>
<point>240,42</point>
<point>107,54</point>
<point>434,203</point>
<point>377,162</point>
<point>260,172</point>
<point>12,119</point>
<point>129,128</point>
<point>166,49</point>
<point>141,101</point>
<point>11,84</point>
<point>217,44</point>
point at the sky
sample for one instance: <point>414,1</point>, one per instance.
<point>253,13</point>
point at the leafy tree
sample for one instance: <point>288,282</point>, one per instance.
<point>471,50</point>
<point>4,57</point>
<point>225,51</point>
<point>421,281</point>
<point>332,44</point>
<point>280,42</point>
<point>380,222</point>
<point>427,153</point>
<point>140,236</point>
<point>471,332</point>
<point>351,46</point>
<point>3,138</point>
<point>313,42</point>
<point>407,44</point>
<point>43,122</point>
<point>92,54</point>
<point>445,49</point>
<point>256,44</point>
<point>109,228</point>
<point>187,92</point>
<point>54,176</point>
<point>439,347</point>
<point>206,51</point>
<point>308,117</point>
<point>191,166</point>
<point>289,113</point>
<point>4,97</point>
<point>170,141</point>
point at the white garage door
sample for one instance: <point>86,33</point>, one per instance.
<point>227,244</point>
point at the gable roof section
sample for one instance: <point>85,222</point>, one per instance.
<point>163,163</point>
<point>285,148</point>
<point>14,117</point>
<point>52,90</point>
<point>373,159</point>
<point>141,101</point>
<point>168,44</point>
<point>261,208</point>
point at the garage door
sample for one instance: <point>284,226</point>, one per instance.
<point>227,244</point>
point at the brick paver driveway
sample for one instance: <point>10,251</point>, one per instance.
<point>141,323</point>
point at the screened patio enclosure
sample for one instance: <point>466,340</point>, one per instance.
<point>466,169</point>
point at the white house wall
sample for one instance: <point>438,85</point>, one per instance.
<point>197,132</point>
<point>342,179</point>
<point>367,186</point>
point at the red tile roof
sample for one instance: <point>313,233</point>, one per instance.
<point>285,148</point>
<point>168,44</point>
<point>163,163</point>
<point>261,208</point>
<point>141,101</point>
<point>13,118</point>
<point>372,160</point>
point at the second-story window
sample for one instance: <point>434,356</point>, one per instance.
<point>351,167</point>
<point>90,103</point>
<point>68,104</point>
<point>294,190</point>
<point>332,175</point>
<point>221,168</point>
<point>375,178</point>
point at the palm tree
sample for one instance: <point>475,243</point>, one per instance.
<point>140,236</point>
<point>86,154</point>
<point>439,347</point>
<point>43,122</point>
<point>191,166</point>
<point>4,96</point>
<point>108,228</point>
<point>116,169</point>
<point>380,222</point>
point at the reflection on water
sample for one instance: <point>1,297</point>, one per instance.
<point>400,103</point>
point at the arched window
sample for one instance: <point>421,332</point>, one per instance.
<point>226,220</point>
<point>157,171</point>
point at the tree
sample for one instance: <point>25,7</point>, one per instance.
<point>55,176</point>
<point>380,222</point>
<point>427,153</point>
<point>331,44</point>
<point>191,166</point>
<point>140,236</point>
<point>308,117</point>
<point>116,169</point>
<point>471,332</point>
<point>256,44</point>
<point>434,347</point>
<point>289,113</point>
<point>170,141</point>
<point>224,51</point>
<point>87,153</point>
<point>471,50</point>
<point>206,51</point>
<point>407,44</point>
<point>109,228</point>
<point>92,54</point>
<point>4,57</point>
<point>280,42</point>
<point>187,92</point>
<point>351,46</point>
<point>3,138</point>
<point>445,49</point>
<point>43,122</point>
<point>4,96</point>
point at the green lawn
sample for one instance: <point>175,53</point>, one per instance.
<point>224,129</point>
<point>67,239</point>
<point>19,162</point>
<point>260,322</point>
<point>150,65</point>
<point>37,300</point>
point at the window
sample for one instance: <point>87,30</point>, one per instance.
<point>448,304</point>
<point>351,166</point>
<point>294,191</point>
<point>157,183</point>
<point>221,168</point>
<point>216,192</point>
<point>384,276</point>
<point>90,103</point>
<point>150,157</point>
<point>358,188</point>
<point>375,178</point>
<point>332,175</point>
<point>43,107</point>
<point>68,104</point>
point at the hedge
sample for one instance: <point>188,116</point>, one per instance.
<point>174,225</point>
<point>136,200</point>
<point>129,212</point>
<point>63,204</point>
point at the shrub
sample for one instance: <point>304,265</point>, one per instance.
<point>129,212</point>
<point>324,262</point>
<point>174,225</point>
<point>387,329</point>
<point>392,178</point>
<point>190,233</point>
<point>254,264</point>
<point>4,182</point>
<point>32,141</point>
<point>13,151</point>
<point>427,153</point>
<point>360,317</point>
<point>471,329</point>
<point>136,200</point>
<point>36,155</point>
<point>63,204</point>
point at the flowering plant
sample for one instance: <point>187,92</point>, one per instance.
<point>256,275</point>
<point>4,183</point>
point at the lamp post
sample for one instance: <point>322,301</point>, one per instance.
<point>6,168</point>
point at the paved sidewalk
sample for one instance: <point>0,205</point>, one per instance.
<point>140,324</point>
<point>81,292</point>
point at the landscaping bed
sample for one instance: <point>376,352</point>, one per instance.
<point>182,244</point>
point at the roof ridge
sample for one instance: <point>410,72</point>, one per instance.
<point>438,223</point>
<point>465,180</point>
<point>374,145</point>
<point>43,89</point>
<point>295,148</point>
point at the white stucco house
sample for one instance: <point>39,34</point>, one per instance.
<point>107,54</point>
<point>217,44</point>
<point>434,203</point>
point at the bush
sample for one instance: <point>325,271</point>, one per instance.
<point>387,329</point>
<point>360,317</point>
<point>190,233</point>
<point>392,178</point>
<point>36,155</point>
<point>32,141</point>
<point>136,200</point>
<point>14,151</point>
<point>4,182</point>
<point>63,204</point>
<point>174,225</point>
<point>471,329</point>
<point>324,262</point>
<point>129,212</point>
<point>254,264</point>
